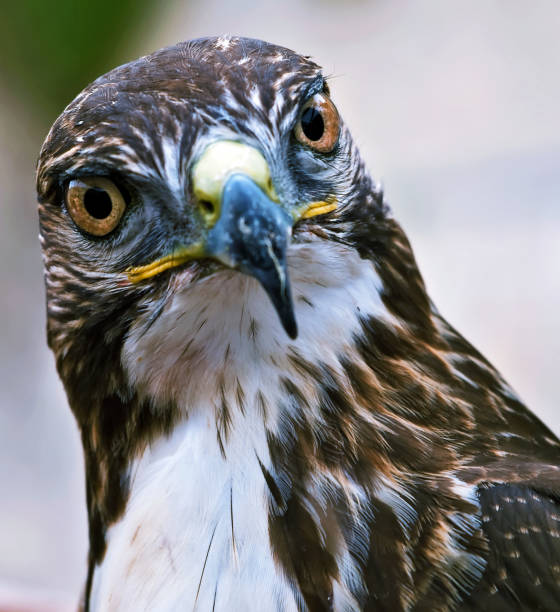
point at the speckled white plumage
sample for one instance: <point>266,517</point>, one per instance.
<point>198,515</point>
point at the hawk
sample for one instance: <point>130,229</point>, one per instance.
<point>274,414</point>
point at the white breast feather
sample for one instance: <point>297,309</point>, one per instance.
<point>175,548</point>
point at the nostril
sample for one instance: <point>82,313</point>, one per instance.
<point>207,207</point>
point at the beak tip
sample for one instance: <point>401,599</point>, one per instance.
<point>285,310</point>
<point>291,328</point>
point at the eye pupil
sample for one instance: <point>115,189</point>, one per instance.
<point>312,123</point>
<point>98,203</point>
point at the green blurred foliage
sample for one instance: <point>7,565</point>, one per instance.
<point>50,50</point>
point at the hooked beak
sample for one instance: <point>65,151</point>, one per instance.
<point>252,235</point>
<point>246,227</point>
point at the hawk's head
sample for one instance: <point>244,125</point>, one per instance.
<point>190,184</point>
<point>228,293</point>
<point>210,162</point>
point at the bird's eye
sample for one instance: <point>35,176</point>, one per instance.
<point>95,204</point>
<point>318,124</point>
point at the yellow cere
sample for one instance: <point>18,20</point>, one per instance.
<point>223,158</point>
<point>177,258</point>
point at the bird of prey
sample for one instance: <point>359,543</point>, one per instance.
<point>273,412</point>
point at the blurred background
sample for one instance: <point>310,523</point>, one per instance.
<point>456,109</point>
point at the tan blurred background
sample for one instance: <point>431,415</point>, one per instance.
<point>456,108</point>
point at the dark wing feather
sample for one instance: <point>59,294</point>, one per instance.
<point>522,525</point>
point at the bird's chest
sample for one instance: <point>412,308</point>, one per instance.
<point>195,532</point>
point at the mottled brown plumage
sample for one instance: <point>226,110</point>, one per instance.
<point>398,469</point>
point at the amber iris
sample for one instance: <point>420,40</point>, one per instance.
<point>95,204</point>
<point>318,125</point>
